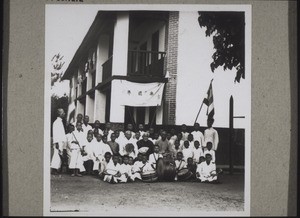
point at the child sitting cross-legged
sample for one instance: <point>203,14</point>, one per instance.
<point>112,172</point>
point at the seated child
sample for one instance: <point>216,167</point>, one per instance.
<point>103,164</point>
<point>187,151</point>
<point>192,167</point>
<point>210,151</point>
<point>154,157</point>
<point>125,170</point>
<point>148,174</point>
<point>89,157</point>
<point>206,171</point>
<point>197,152</point>
<point>136,168</point>
<point>130,161</point>
<point>179,163</point>
<point>112,172</point>
<point>120,160</point>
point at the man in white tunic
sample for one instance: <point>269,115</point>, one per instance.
<point>77,143</point>
<point>59,141</point>
<point>86,126</point>
<point>127,140</point>
<point>211,135</point>
<point>198,136</point>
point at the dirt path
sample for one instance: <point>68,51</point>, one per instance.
<point>90,194</point>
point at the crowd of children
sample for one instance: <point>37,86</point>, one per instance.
<point>126,156</point>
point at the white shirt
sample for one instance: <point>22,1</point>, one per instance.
<point>59,134</point>
<point>109,134</point>
<point>185,136</point>
<point>123,142</point>
<point>204,169</point>
<point>211,135</point>
<point>89,149</point>
<point>197,153</point>
<point>113,169</point>
<point>125,168</point>
<point>69,138</point>
<point>212,153</point>
<point>79,137</point>
<point>137,166</point>
<point>105,148</point>
<point>98,150</point>
<point>198,136</point>
<point>154,157</point>
<point>180,164</point>
<point>187,152</point>
<point>86,128</point>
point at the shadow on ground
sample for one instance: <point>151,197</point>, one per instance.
<point>89,194</point>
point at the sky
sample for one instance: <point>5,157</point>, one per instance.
<point>66,26</point>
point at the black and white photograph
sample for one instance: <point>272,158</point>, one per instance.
<point>147,110</point>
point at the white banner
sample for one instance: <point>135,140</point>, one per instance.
<point>139,94</point>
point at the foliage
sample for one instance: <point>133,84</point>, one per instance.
<point>57,64</point>
<point>228,31</point>
<point>56,100</point>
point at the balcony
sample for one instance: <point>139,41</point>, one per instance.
<point>141,64</point>
<point>145,63</point>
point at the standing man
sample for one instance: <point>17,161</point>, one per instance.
<point>86,126</point>
<point>59,141</point>
<point>211,135</point>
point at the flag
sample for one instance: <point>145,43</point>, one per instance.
<point>209,101</point>
<point>139,94</point>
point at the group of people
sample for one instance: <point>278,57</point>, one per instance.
<point>127,156</point>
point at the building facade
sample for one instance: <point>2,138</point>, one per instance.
<point>135,46</point>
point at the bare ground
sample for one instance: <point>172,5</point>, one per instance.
<point>89,194</point>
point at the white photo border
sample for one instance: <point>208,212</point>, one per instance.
<point>159,7</point>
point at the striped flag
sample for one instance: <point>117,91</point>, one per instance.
<point>209,101</point>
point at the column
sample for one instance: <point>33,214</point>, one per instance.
<point>119,64</point>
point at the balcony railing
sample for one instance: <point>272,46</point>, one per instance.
<point>140,63</point>
<point>145,63</point>
<point>107,69</point>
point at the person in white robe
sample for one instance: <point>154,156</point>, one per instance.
<point>197,152</point>
<point>69,138</point>
<point>104,163</point>
<point>127,140</point>
<point>59,141</point>
<point>77,143</point>
<point>198,135</point>
<point>210,151</point>
<point>112,172</point>
<point>153,158</point>
<point>184,132</point>
<point>187,151</point>
<point>211,135</point>
<point>180,164</point>
<point>86,126</point>
<point>206,171</point>
<point>125,170</point>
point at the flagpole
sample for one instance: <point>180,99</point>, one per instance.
<point>201,104</point>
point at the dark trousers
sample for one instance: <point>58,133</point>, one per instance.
<point>88,165</point>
